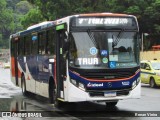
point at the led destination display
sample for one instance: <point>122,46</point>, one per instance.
<point>109,21</point>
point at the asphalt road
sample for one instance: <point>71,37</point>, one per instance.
<point>11,99</point>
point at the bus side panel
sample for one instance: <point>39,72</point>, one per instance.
<point>43,75</point>
<point>21,64</point>
<point>21,68</point>
<point>13,70</point>
<point>30,81</point>
<point>37,74</point>
<point>13,73</point>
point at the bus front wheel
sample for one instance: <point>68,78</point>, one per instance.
<point>52,93</point>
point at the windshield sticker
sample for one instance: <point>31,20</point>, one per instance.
<point>93,51</point>
<point>105,60</point>
<point>113,57</point>
<point>104,52</point>
<point>34,38</point>
<point>117,65</point>
<point>88,61</point>
<point>110,40</point>
<point>112,64</point>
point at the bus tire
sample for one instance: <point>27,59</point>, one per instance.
<point>59,104</point>
<point>111,104</point>
<point>52,92</point>
<point>152,83</point>
<point>23,85</point>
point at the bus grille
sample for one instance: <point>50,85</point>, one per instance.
<point>107,75</point>
<point>101,94</point>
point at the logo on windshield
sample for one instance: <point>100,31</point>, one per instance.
<point>93,51</point>
<point>105,60</point>
<point>112,64</point>
<point>104,52</point>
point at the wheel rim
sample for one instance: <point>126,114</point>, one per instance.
<point>152,83</point>
<point>23,85</point>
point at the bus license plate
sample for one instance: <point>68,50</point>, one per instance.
<point>109,94</point>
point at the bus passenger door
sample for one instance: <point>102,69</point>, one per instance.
<point>15,61</point>
<point>60,61</point>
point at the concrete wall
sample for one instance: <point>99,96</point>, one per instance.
<point>150,55</point>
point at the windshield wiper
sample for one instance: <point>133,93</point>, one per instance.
<point>92,37</point>
<point>116,41</point>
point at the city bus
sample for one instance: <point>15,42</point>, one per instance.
<point>84,57</point>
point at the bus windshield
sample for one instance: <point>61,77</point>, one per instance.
<point>103,49</point>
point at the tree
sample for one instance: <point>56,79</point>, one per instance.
<point>23,7</point>
<point>147,11</point>
<point>54,9</point>
<point>7,24</point>
<point>32,17</point>
<point>20,10</point>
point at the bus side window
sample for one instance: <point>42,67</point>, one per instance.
<point>34,45</point>
<point>12,47</point>
<point>50,43</point>
<point>28,45</point>
<point>21,46</point>
<point>42,42</point>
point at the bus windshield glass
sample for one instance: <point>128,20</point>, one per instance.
<point>104,49</point>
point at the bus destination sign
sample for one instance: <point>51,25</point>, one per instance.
<point>109,21</point>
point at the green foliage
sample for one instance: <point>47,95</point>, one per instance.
<point>32,17</point>
<point>20,11</point>
<point>30,12</point>
<point>7,23</point>
<point>54,9</point>
<point>11,13</point>
<point>147,11</point>
<point>23,7</point>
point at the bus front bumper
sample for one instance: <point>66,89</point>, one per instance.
<point>77,95</point>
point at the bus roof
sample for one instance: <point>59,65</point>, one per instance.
<point>35,28</point>
<point>104,14</point>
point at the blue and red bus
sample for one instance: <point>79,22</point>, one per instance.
<point>85,57</point>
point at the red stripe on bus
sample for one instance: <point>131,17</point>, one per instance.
<point>13,74</point>
<point>54,70</point>
<point>13,67</point>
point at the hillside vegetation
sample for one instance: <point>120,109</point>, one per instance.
<point>17,15</point>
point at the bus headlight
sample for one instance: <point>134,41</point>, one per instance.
<point>81,86</point>
<point>134,84</point>
<point>78,84</point>
<point>138,80</point>
<point>74,82</point>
